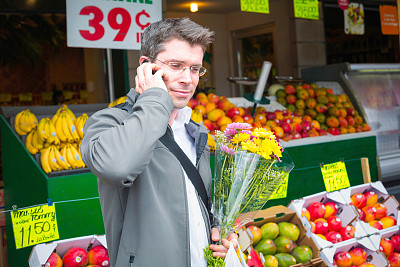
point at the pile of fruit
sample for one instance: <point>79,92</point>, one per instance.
<point>57,139</point>
<point>372,212</point>
<point>335,113</point>
<point>277,243</point>
<point>78,257</point>
<point>310,111</point>
<point>390,247</point>
<point>326,224</point>
<point>356,256</point>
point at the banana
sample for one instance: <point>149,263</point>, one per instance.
<point>80,124</point>
<point>61,160</point>
<point>77,157</point>
<point>59,129</point>
<point>67,151</point>
<point>32,120</point>
<point>41,130</point>
<point>72,128</point>
<point>70,113</point>
<point>54,118</point>
<point>53,133</point>
<point>16,124</point>
<point>24,122</point>
<point>28,143</point>
<point>44,160</point>
<point>65,127</point>
<point>36,141</point>
<point>53,160</point>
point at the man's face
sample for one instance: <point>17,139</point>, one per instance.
<point>182,84</point>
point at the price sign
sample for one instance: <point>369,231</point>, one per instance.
<point>281,191</point>
<point>25,97</point>
<point>34,225</point>
<point>110,24</point>
<point>306,9</point>
<point>259,6</point>
<point>4,97</point>
<point>335,176</point>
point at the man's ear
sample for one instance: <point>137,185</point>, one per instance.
<point>143,59</point>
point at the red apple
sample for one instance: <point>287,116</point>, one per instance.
<point>358,200</point>
<point>388,221</point>
<point>305,213</point>
<point>322,132</point>
<point>271,116</point>
<point>358,255</point>
<point>370,213</point>
<point>376,224</point>
<point>321,227</point>
<point>304,134</point>
<point>54,261</point>
<point>334,237</point>
<point>312,227</point>
<point>347,232</point>
<point>343,259</point>
<point>335,223</point>
<point>381,210</point>
<point>350,111</point>
<point>330,209</point>
<point>75,257</point>
<point>317,210</point>
<point>192,103</point>
<point>372,198</point>
<point>386,246</point>
<point>394,259</point>
<point>396,241</point>
<point>286,127</point>
<point>362,214</point>
<point>297,127</point>
<point>255,234</point>
<point>232,112</point>
<point>306,125</point>
<point>98,256</point>
<point>296,135</point>
<point>334,131</point>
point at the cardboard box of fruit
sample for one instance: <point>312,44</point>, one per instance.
<point>327,218</point>
<point>361,252</point>
<point>388,243</point>
<point>91,250</point>
<point>376,209</point>
<point>279,237</point>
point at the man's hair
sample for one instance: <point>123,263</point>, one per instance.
<point>158,33</point>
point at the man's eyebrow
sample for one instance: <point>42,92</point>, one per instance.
<point>181,61</point>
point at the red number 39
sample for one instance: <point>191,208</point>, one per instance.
<point>98,17</point>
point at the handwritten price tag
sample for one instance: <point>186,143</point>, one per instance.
<point>281,191</point>
<point>110,24</point>
<point>335,176</point>
<point>259,6</point>
<point>306,9</point>
<point>34,225</point>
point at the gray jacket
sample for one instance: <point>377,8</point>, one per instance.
<point>141,183</point>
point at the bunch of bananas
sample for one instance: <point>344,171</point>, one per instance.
<point>25,121</point>
<point>57,139</point>
<point>54,160</point>
<point>120,100</point>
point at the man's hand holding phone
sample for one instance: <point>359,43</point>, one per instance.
<point>149,75</point>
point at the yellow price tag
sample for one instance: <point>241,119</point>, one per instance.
<point>4,97</point>
<point>47,96</point>
<point>306,9</point>
<point>258,6</point>
<point>25,97</point>
<point>281,191</point>
<point>335,176</point>
<point>34,225</point>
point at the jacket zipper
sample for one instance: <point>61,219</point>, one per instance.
<point>131,260</point>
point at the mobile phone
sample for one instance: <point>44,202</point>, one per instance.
<point>146,61</point>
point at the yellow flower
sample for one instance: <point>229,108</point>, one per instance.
<point>249,146</point>
<point>240,137</point>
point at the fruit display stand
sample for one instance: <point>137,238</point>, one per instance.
<point>73,192</point>
<point>308,154</point>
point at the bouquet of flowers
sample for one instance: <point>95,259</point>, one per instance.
<point>249,167</point>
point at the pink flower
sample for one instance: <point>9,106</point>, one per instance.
<point>227,150</point>
<point>236,127</point>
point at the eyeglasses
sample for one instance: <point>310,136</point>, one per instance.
<point>179,67</point>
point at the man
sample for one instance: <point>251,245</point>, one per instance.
<point>152,213</point>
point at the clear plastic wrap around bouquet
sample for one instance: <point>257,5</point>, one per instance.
<point>249,167</point>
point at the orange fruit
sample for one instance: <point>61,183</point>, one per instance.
<point>260,118</point>
<point>224,120</point>
<point>238,118</point>
<point>278,131</point>
<point>201,108</point>
<point>210,106</point>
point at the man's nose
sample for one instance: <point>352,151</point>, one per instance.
<point>186,76</point>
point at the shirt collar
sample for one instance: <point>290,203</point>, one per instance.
<point>182,117</point>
